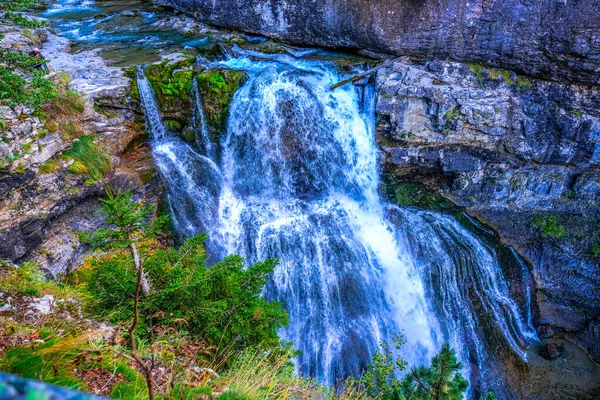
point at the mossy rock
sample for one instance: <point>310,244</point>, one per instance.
<point>217,88</point>
<point>131,73</point>
<point>171,87</point>
<point>173,125</point>
<point>407,194</point>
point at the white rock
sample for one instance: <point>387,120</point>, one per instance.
<point>42,305</point>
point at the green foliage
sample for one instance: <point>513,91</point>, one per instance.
<point>50,167</point>
<point>129,221</point>
<point>173,125</point>
<point>21,85</point>
<point>89,157</point>
<point>497,73</point>
<point>380,379</point>
<point>407,194</point>
<point>29,362</point>
<point>17,59</point>
<point>27,147</point>
<point>549,226</point>
<point>478,70</point>
<point>24,22</point>
<point>66,103</point>
<point>24,280</point>
<point>171,87</point>
<point>441,381</point>
<point>523,84</point>
<point>223,303</point>
<point>15,89</point>
<point>17,5</point>
<point>220,304</point>
<point>452,114</point>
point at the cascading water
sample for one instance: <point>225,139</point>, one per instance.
<point>193,180</point>
<point>298,182</point>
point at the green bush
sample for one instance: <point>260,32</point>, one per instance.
<point>223,303</point>
<point>16,5</point>
<point>24,280</point>
<point>15,89</point>
<point>220,305</point>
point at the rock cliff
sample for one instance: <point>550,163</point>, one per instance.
<point>520,154</point>
<point>549,39</point>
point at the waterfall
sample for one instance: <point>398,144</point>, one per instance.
<point>298,180</point>
<point>193,180</point>
<point>199,125</point>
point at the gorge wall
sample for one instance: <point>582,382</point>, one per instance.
<point>549,39</point>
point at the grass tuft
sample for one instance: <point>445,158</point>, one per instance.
<point>90,157</point>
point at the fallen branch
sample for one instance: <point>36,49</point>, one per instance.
<point>356,77</point>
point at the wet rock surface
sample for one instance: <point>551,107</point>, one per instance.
<point>552,351</point>
<point>519,154</point>
<point>555,39</point>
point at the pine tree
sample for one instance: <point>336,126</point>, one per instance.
<point>441,381</point>
<point>129,222</point>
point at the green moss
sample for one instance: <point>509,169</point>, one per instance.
<point>27,147</point>
<point>452,114</point>
<point>172,87</point>
<point>173,125</point>
<point>50,167</point>
<point>549,226</point>
<point>478,70</point>
<point>523,84</point>
<point>131,73</point>
<point>504,74</point>
<point>217,88</point>
<point>413,195</point>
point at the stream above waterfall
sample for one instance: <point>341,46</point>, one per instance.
<point>296,176</point>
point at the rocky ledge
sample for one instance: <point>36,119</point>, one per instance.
<point>520,154</point>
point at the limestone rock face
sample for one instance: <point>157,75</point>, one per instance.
<point>552,39</point>
<point>43,204</point>
<point>522,155</point>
